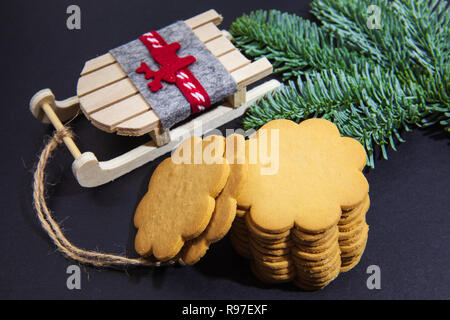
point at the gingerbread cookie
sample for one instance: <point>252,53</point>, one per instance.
<point>319,174</point>
<point>181,197</point>
<point>225,209</point>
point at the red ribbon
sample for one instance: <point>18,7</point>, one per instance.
<point>173,69</point>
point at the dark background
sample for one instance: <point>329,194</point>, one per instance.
<point>409,221</point>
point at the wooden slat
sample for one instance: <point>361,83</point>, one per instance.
<point>239,98</point>
<point>142,124</point>
<point>227,35</point>
<point>220,46</point>
<point>100,78</point>
<point>121,111</point>
<point>204,18</point>
<point>106,96</point>
<point>252,72</point>
<point>207,32</point>
<point>97,63</point>
<point>234,60</point>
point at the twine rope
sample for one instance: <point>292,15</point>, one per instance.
<point>53,229</point>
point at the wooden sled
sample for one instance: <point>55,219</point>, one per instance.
<point>112,103</point>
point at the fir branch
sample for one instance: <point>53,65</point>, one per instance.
<point>371,82</point>
<point>293,45</point>
<point>427,27</point>
<point>348,18</point>
<point>413,40</point>
<point>370,106</point>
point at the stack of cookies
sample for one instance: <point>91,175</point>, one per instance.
<point>353,233</point>
<point>271,253</point>
<point>191,199</point>
<point>316,257</point>
<point>320,257</point>
<point>304,223</point>
<point>239,234</point>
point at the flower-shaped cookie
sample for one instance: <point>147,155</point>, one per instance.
<point>181,197</point>
<point>225,210</point>
<point>318,175</point>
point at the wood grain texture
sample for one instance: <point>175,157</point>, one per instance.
<point>233,60</point>
<point>100,78</point>
<point>239,98</point>
<point>106,96</point>
<point>139,125</point>
<point>220,46</point>
<point>160,136</point>
<point>252,72</point>
<point>121,111</point>
<point>207,32</point>
<point>97,63</point>
<point>204,18</point>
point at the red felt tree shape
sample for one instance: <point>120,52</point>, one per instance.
<point>169,63</point>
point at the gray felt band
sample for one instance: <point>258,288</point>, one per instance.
<point>169,103</point>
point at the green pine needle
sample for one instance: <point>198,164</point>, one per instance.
<point>372,83</point>
<point>352,102</point>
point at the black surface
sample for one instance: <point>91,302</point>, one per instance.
<point>409,220</point>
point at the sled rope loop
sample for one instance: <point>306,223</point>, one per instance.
<point>53,229</point>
